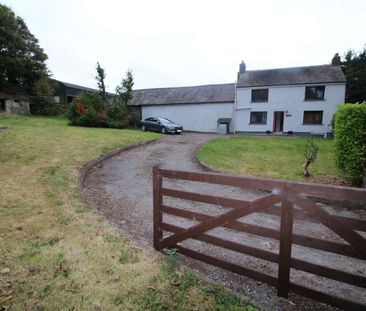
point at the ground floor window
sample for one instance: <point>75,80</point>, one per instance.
<point>258,117</point>
<point>313,117</point>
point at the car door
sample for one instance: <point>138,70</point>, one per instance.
<point>149,123</point>
<point>155,124</point>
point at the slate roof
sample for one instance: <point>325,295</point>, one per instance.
<point>81,88</point>
<point>215,93</point>
<point>291,76</point>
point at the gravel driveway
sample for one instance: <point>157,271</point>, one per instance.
<point>121,189</point>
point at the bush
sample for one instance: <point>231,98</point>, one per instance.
<point>350,140</point>
<point>117,115</point>
<point>90,110</point>
<point>43,106</point>
<point>42,102</point>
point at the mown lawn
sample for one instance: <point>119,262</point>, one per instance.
<point>269,157</point>
<point>55,252</point>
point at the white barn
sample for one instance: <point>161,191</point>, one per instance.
<point>287,100</point>
<point>196,108</point>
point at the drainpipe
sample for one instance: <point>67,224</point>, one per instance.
<point>234,109</point>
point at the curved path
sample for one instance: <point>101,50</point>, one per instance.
<point>120,188</point>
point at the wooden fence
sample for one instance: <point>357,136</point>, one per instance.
<point>289,195</point>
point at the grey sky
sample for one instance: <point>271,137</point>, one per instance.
<point>180,43</point>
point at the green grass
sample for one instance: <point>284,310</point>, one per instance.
<point>269,157</point>
<point>55,252</point>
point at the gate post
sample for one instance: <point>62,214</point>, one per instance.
<point>284,264</point>
<point>157,202</point>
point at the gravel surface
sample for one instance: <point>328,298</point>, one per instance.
<point>121,189</point>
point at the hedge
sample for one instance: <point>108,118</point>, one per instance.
<point>350,140</point>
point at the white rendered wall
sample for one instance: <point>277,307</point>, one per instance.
<point>290,99</point>
<point>193,117</point>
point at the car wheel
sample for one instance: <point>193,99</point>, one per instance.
<point>163,130</point>
<point>143,128</point>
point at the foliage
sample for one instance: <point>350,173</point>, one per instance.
<point>43,106</point>
<point>354,68</point>
<point>310,153</point>
<point>100,77</point>
<point>89,110</point>
<point>23,61</point>
<point>117,115</point>
<point>124,91</point>
<point>350,140</point>
<point>44,87</point>
<point>170,261</point>
<point>42,102</point>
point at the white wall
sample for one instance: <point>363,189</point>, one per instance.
<point>290,99</point>
<point>193,117</point>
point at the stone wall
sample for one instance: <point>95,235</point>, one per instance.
<point>17,107</point>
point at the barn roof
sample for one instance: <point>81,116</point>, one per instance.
<point>81,88</point>
<point>291,76</point>
<point>215,93</point>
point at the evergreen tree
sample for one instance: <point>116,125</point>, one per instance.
<point>354,68</point>
<point>124,91</point>
<point>22,60</point>
<point>100,81</point>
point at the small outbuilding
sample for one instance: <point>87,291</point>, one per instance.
<point>14,104</point>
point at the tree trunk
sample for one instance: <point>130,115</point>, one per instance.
<point>305,167</point>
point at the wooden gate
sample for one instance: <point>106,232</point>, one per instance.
<point>289,200</point>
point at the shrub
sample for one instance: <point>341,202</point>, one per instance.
<point>43,106</point>
<point>41,103</point>
<point>91,110</point>
<point>117,115</point>
<point>350,140</point>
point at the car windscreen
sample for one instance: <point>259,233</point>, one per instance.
<point>165,121</point>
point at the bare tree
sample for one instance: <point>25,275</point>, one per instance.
<point>310,153</point>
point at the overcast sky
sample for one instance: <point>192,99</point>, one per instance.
<point>181,43</point>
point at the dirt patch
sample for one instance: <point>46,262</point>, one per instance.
<point>3,129</point>
<point>121,189</point>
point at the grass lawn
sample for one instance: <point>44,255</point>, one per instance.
<point>55,252</point>
<point>269,157</point>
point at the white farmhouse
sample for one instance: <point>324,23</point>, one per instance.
<point>288,100</point>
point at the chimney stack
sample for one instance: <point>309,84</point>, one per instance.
<point>336,60</point>
<point>242,68</point>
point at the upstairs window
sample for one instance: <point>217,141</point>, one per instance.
<point>313,117</point>
<point>258,117</point>
<point>314,92</point>
<point>260,95</point>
